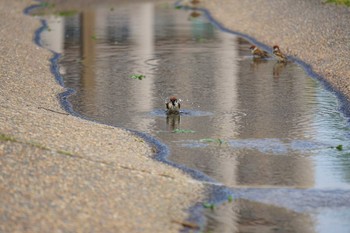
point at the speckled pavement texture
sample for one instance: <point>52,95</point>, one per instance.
<point>60,173</point>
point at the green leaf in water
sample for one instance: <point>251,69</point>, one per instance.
<point>178,7</point>
<point>230,198</point>
<point>67,13</point>
<point>218,140</point>
<point>339,147</point>
<point>209,205</point>
<point>207,140</point>
<point>94,37</point>
<point>137,76</point>
<point>183,131</point>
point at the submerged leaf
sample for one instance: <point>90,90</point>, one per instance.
<point>137,76</point>
<point>209,206</point>
<point>207,140</point>
<point>67,13</point>
<point>218,140</point>
<point>339,147</point>
<point>183,131</point>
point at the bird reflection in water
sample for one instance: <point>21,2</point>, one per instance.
<point>173,122</point>
<point>194,14</point>
<point>256,62</point>
<point>278,69</point>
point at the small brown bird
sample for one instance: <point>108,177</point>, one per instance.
<point>258,52</point>
<point>194,2</point>
<point>173,106</point>
<point>279,55</point>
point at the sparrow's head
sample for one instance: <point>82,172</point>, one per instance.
<point>173,99</point>
<point>252,47</point>
<point>276,48</point>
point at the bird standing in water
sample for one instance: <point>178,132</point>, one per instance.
<point>279,55</point>
<point>173,106</point>
<point>258,52</point>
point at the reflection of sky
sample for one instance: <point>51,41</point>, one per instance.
<point>330,124</point>
<point>333,220</point>
<point>331,128</point>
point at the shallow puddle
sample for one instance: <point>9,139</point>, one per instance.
<point>266,131</point>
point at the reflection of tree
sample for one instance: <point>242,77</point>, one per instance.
<point>88,53</point>
<point>345,166</point>
<point>274,169</point>
<point>118,28</point>
<point>248,216</point>
<point>254,217</point>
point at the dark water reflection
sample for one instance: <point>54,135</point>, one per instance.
<point>257,124</point>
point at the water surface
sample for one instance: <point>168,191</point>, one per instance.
<point>265,130</point>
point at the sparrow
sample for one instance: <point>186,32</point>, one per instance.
<point>172,106</point>
<point>194,2</point>
<point>258,52</point>
<point>279,55</point>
